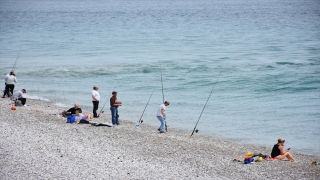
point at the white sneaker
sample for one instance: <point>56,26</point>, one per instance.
<point>25,105</point>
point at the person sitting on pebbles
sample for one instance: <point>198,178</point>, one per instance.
<point>71,111</point>
<point>279,153</point>
<point>19,95</point>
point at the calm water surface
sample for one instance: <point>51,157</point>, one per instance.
<point>268,53</point>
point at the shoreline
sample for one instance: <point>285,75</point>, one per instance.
<point>36,145</point>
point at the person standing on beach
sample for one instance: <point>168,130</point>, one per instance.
<point>161,115</point>
<point>10,81</point>
<point>5,80</point>
<point>95,100</point>
<point>19,95</point>
<point>114,104</point>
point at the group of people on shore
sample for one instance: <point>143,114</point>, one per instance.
<point>278,151</point>
<point>10,80</point>
<point>114,104</point>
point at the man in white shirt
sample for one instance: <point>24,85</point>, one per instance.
<point>6,78</point>
<point>10,81</point>
<point>5,81</point>
<point>161,115</point>
<point>19,95</point>
<point>95,100</point>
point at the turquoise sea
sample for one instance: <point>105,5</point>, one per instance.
<point>267,50</point>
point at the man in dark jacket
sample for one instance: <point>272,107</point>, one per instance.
<point>71,111</point>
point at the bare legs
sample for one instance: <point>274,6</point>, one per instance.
<point>287,155</point>
<point>89,116</point>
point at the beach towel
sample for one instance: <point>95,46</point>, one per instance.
<point>101,124</point>
<point>83,121</point>
<point>260,155</point>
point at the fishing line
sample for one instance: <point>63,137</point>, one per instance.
<point>14,65</point>
<point>101,111</point>
<point>38,92</point>
<point>55,100</point>
<point>187,72</point>
<point>161,83</point>
<point>64,97</point>
<point>194,130</point>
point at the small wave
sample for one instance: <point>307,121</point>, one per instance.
<point>61,104</point>
<point>310,81</point>
<point>295,89</point>
<point>287,63</point>
<point>88,72</point>
<point>37,98</point>
<point>146,70</point>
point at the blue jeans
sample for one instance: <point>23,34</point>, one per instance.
<point>163,123</point>
<point>115,115</point>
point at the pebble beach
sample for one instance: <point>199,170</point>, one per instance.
<point>36,143</point>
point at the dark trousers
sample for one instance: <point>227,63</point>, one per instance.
<point>95,108</point>
<point>9,88</point>
<point>23,100</point>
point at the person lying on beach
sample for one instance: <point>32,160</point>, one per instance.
<point>71,111</point>
<point>19,95</point>
<point>83,117</point>
<point>279,153</point>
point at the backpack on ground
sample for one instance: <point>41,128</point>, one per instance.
<point>71,119</point>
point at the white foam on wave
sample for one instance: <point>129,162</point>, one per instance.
<point>37,97</point>
<point>60,104</point>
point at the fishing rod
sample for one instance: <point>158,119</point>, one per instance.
<point>194,130</point>
<point>166,127</point>
<point>101,111</point>
<point>14,65</point>
<point>140,120</point>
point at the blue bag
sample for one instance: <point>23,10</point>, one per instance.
<point>71,119</point>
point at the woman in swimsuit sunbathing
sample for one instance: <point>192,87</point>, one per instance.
<point>279,153</point>
<point>84,117</point>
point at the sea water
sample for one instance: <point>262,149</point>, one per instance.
<point>267,51</point>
